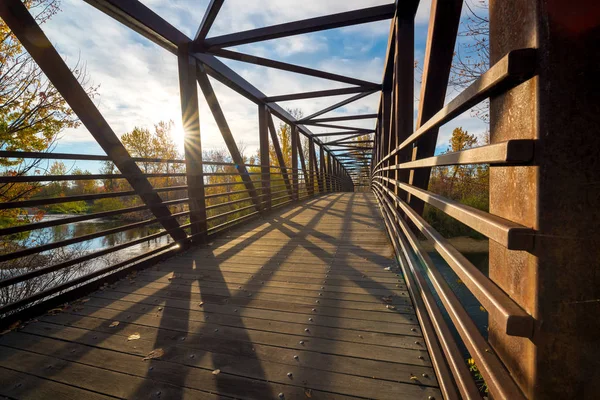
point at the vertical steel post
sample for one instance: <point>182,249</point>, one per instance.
<point>558,195</point>
<point>295,169</point>
<point>403,91</point>
<point>265,169</point>
<point>311,165</point>
<point>192,143</point>
<point>322,170</point>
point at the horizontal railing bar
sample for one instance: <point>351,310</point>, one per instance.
<point>318,93</point>
<point>65,264</point>
<point>229,213</point>
<point>419,290</point>
<point>212,196</point>
<point>488,363</point>
<point>52,178</point>
<point>510,152</point>
<point>83,197</point>
<point>516,321</point>
<point>233,222</point>
<point>228,203</point>
<point>69,220</point>
<point>511,235</point>
<point>62,243</point>
<point>513,69</point>
<point>40,295</point>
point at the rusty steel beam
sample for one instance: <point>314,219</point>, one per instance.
<point>557,195</point>
<point>265,170</point>
<point>318,93</point>
<point>332,21</point>
<point>336,119</point>
<point>207,21</point>
<point>247,58</point>
<point>338,105</point>
<point>279,154</point>
<point>215,108</point>
<point>192,143</point>
<point>295,139</point>
<point>26,29</point>
<point>441,37</point>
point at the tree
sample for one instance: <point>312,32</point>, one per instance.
<point>32,112</point>
<point>472,56</point>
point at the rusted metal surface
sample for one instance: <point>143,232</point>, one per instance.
<point>556,195</point>
<point>192,144</point>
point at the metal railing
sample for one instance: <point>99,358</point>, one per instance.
<point>400,171</point>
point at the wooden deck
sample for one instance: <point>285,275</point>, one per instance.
<point>296,305</point>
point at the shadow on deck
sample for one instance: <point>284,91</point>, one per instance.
<point>296,305</point>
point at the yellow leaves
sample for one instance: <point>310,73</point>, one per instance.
<point>470,361</point>
<point>308,393</point>
<point>156,353</point>
<point>482,309</point>
<point>133,336</point>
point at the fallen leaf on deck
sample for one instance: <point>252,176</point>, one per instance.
<point>387,299</point>
<point>216,372</point>
<point>113,324</point>
<point>308,393</point>
<point>84,300</point>
<point>201,304</point>
<point>55,311</point>
<point>413,378</point>
<point>134,336</point>
<point>12,326</point>
<point>389,307</point>
<point>156,353</point>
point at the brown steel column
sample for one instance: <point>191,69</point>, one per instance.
<point>403,92</point>
<point>558,195</point>
<point>192,144</point>
<point>311,165</point>
<point>265,169</point>
<point>441,37</point>
<point>322,170</point>
<point>295,170</point>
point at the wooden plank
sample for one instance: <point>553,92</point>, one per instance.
<point>91,378</point>
<point>18,385</point>
<point>198,374</point>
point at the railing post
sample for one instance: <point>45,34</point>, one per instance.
<point>557,195</point>
<point>403,96</point>
<point>192,144</point>
<point>311,164</point>
<point>322,171</point>
<point>265,169</point>
<point>295,170</point>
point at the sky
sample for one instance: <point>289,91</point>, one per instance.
<point>138,83</point>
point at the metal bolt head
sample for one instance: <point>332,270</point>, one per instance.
<point>413,329</point>
<point>281,396</point>
<point>317,301</point>
<point>320,294</point>
<point>310,319</point>
<point>420,357</point>
<point>424,375</point>
<point>217,330</point>
<point>431,398</point>
<point>295,357</point>
<point>306,330</point>
<point>314,309</point>
<point>417,342</point>
<point>289,374</point>
<point>302,342</point>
